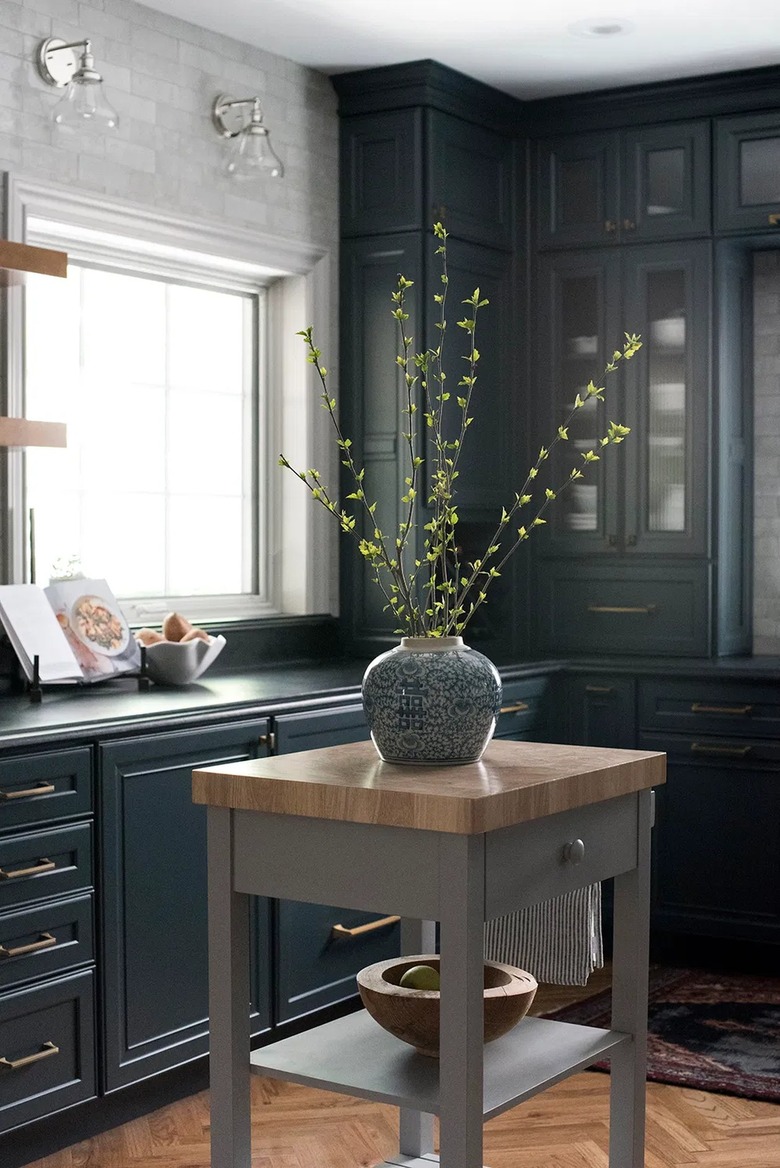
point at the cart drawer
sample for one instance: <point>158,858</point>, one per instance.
<point>37,788</point>
<point>45,863</point>
<point>47,1056</point>
<point>49,938</point>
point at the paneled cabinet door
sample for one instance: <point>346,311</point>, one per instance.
<point>602,711</point>
<point>382,172</point>
<point>320,948</point>
<point>470,180</point>
<point>153,910</point>
<point>372,398</point>
<point>490,465</point>
<point>716,860</point>
<point>747,177</point>
<point>621,186</point>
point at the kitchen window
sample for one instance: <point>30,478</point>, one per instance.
<point>171,353</point>
<point>159,382</point>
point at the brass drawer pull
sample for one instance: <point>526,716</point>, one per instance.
<point>361,930</point>
<point>46,941</point>
<point>517,708</point>
<point>774,219</point>
<point>728,751</point>
<point>13,1064</point>
<point>642,609</point>
<point>43,865</point>
<point>599,688</point>
<point>28,793</point>
<point>700,708</point>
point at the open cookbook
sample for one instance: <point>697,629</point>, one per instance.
<point>74,627</point>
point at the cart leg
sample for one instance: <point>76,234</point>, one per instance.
<point>416,1127</point>
<point>228,1001</point>
<point>462,859</point>
<point>631,955</point>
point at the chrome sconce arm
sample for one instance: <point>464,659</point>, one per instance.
<point>250,153</point>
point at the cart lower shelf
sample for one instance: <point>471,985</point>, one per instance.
<point>355,1056</point>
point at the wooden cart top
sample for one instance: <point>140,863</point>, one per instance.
<point>514,782</point>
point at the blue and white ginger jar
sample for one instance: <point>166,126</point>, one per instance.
<point>431,701</point>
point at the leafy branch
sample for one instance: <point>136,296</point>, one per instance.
<point>437,596</point>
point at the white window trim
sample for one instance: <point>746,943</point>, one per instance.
<point>302,563</point>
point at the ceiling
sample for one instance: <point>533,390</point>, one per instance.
<point>514,46</point>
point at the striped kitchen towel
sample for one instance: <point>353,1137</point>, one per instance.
<point>558,940</point>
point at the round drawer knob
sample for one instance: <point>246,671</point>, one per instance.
<point>574,852</point>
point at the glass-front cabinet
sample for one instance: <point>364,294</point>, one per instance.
<point>747,177</point>
<point>650,494</point>
<point>645,183</point>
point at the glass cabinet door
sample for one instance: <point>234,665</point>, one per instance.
<point>578,330</point>
<point>748,172</point>
<point>667,291</point>
<point>666,181</point>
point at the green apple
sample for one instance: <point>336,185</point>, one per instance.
<point>421,977</point>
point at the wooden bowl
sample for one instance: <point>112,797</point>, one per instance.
<point>413,1015</point>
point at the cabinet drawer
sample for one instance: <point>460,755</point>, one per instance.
<point>535,855</point>
<point>316,966</point>
<point>521,707</point>
<point>719,750</point>
<point>36,788</point>
<point>713,707</point>
<point>47,1035</point>
<point>45,863</point>
<point>598,608</point>
<point>49,938</point>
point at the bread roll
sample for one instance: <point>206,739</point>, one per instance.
<point>148,637</point>
<point>175,626</point>
<point>196,635</point>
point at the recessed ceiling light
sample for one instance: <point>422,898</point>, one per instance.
<point>604,26</point>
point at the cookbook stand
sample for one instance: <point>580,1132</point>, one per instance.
<point>35,690</point>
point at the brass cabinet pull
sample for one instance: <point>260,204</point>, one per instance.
<point>729,751</point>
<point>28,792</point>
<point>46,941</point>
<point>610,225</point>
<point>774,219</point>
<point>599,688</point>
<point>361,930</point>
<point>43,865</point>
<point>517,708</point>
<point>643,609</point>
<point>629,225</point>
<point>700,708</point>
<point>13,1064</point>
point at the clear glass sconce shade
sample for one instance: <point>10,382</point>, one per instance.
<point>84,106</point>
<point>252,156</point>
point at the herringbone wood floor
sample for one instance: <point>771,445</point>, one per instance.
<point>564,1127</point>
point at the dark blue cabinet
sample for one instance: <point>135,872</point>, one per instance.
<point>747,175</point>
<point>601,710</point>
<point>621,186</point>
<point>154,920</point>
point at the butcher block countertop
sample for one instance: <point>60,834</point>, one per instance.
<point>514,782</point>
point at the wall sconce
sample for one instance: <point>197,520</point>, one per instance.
<point>250,154</point>
<point>84,104</point>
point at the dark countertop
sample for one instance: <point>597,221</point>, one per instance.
<point>114,708</point>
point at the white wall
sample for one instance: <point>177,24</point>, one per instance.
<point>766,593</point>
<point>162,75</point>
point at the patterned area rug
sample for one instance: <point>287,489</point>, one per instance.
<point>708,1031</point>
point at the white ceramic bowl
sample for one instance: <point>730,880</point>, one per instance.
<point>584,346</point>
<point>181,662</point>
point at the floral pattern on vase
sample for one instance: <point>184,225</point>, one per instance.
<point>431,701</point>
